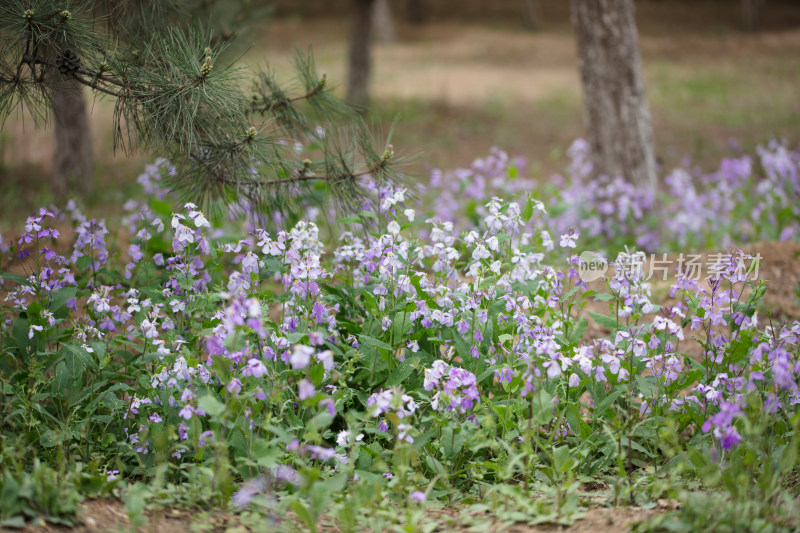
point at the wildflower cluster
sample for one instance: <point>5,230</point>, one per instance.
<point>394,356</point>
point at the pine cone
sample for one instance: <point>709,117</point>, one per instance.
<point>68,61</point>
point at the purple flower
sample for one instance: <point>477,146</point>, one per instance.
<point>417,496</point>
<point>242,497</point>
<point>235,387</point>
<point>729,438</point>
<point>320,453</point>
<point>504,375</point>
<point>305,389</point>
<point>254,368</point>
<point>182,431</point>
<point>209,434</point>
<point>456,387</point>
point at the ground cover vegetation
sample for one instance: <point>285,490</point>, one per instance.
<point>433,349</point>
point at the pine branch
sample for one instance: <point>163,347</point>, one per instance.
<point>175,96</point>
<point>274,102</point>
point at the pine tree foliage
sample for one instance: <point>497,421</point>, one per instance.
<point>179,93</point>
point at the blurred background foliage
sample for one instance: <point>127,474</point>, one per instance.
<point>465,76</point>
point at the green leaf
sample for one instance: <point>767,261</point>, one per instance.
<point>50,438</point>
<point>401,326</point>
<point>294,338</point>
<point>60,297</point>
<point>577,332</point>
<point>372,342</point>
<point>402,371</point>
<point>562,460</point>
<point>303,514</point>
<point>78,360</point>
<point>161,207</point>
<point>211,405</point>
<point>317,374</point>
<point>505,337</point>
<point>606,402</point>
<point>62,383</point>
<point>462,347</point>
<point>18,279</point>
<point>265,454</point>
<point>603,297</point>
<point>453,440</point>
<point>605,321</point>
<point>486,373</point>
<point>527,211</point>
<point>83,262</point>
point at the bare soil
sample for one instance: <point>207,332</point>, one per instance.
<point>101,516</point>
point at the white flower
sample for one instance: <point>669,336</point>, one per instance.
<point>301,356</point>
<point>199,219</point>
<point>250,263</point>
<point>568,239</point>
<point>326,358</point>
<point>177,305</point>
<point>394,228</point>
<point>33,328</point>
<point>410,214</point>
<point>547,241</point>
<point>480,252</point>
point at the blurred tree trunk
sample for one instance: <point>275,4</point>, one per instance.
<point>532,14</point>
<point>415,11</point>
<point>383,22</point>
<point>617,113</point>
<point>72,160</point>
<point>360,53</point>
<point>751,13</point>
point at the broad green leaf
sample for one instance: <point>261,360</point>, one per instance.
<point>77,360</point>
<point>372,342</point>
<point>210,405</point>
<point>603,320</point>
<point>17,279</point>
<point>606,402</point>
<point>402,371</point>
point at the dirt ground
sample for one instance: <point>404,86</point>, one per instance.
<point>101,516</point>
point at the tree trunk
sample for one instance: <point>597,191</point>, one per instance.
<point>415,11</point>
<point>383,22</point>
<point>360,53</point>
<point>72,160</point>
<point>751,13</point>
<point>532,14</point>
<point>617,113</point>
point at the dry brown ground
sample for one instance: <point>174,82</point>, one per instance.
<point>101,516</point>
